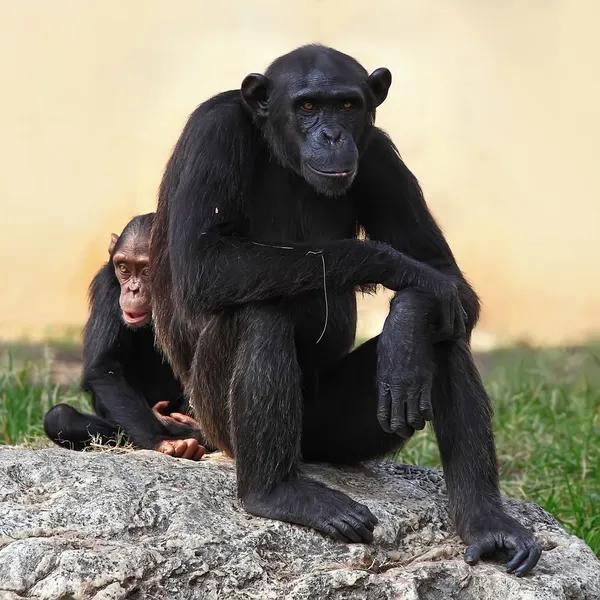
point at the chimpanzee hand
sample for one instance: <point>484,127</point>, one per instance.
<point>179,424</point>
<point>451,324</point>
<point>175,417</point>
<point>189,449</point>
<point>404,373</point>
<point>487,534</point>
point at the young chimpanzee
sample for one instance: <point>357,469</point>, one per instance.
<point>255,265</point>
<point>130,382</point>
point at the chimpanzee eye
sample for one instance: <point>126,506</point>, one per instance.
<point>146,272</point>
<point>348,105</point>
<point>308,106</point>
<point>123,269</point>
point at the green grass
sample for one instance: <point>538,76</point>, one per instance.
<point>26,394</point>
<point>547,426</point>
<point>547,406</point>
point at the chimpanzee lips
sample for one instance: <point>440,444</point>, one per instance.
<point>132,318</point>
<point>334,174</point>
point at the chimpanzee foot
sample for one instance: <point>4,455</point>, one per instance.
<point>490,534</point>
<point>312,504</point>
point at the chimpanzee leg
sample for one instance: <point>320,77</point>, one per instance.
<point>463,426</point>
<point>266,416</point>
<point>340,425</point>
<point>340,422</point>
<point>69,428</point>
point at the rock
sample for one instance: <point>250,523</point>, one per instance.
<point>144,526</point>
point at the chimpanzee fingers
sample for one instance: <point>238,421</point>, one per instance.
<point>334,532</point>
<point>200,452</point>
<point>364,534</point>
<point>425,406</point>
<point>166,447</point>
<point>527,554</point>
<point>347,530</point>
<point>181,418</point>
<point>180,446</point>
<point>384,407</point>
<point>517,559</point>
<point>398,422</point>
<point>414,418</point>
<point>159,407</point>
<point>476,550</point>
<point>533,556</point>
<point>370,518</point>
<point>192,447</point>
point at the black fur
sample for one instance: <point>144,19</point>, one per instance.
<point>255,268</point>
<point>123,371</point>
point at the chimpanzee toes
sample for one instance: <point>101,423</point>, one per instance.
<point>348,529</point>
<point>363,531</point>
<point>530,560</point>
<point>368,517</point>
<point>502,534</point>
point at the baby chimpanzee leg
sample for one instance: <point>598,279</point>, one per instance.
<point>69,428</point>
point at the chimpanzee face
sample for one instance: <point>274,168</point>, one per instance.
<point>130,262</point>
<point>316,112</point>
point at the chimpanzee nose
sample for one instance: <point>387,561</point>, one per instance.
<point>331,135</point>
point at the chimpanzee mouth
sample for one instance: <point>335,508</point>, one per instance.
<point>132,318</point>
<point>332,174</point>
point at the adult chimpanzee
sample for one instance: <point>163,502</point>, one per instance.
<point>256,263</point>
<point>130,382</point>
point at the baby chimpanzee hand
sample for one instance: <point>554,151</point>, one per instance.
<point>188,448</point>
<point>174,417</point>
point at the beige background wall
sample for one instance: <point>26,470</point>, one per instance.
<point>494,105</point>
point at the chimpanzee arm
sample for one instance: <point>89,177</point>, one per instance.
<point>103,375</point>
<point>393,210</point>
<point>412,372</point>
<point>214,264</point>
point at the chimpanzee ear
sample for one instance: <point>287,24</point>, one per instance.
<point>254,94</point>
<point>379,81</point>
<point>114,238</point>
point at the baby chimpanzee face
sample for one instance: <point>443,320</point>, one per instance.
<point>130,261</point>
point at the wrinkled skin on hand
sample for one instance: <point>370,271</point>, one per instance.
<point>188,448</point>
<point>492,531</point>
<point>310,503</point>
<point>405,369</point>
<point>451,316</point>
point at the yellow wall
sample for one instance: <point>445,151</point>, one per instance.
<point>494,105</point>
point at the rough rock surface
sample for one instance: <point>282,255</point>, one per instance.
<point>144,526</point>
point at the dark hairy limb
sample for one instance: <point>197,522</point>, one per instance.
<point>463,426</point>
<point>129,409</point>
<point>405,365</point>
<point>69,428</point>
<point>393,210</point>
<point>340,426</point>
<point>267,381</point>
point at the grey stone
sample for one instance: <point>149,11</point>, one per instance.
<point>143,526</point>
